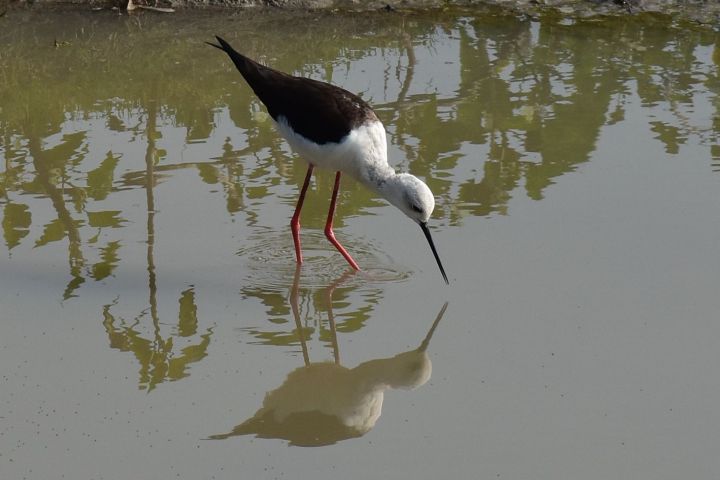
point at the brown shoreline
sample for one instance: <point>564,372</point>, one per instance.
<point>695,11</point>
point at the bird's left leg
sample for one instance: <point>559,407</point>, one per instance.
<point>329,225</point>
<point>295,222</point>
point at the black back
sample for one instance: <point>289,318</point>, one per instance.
<point>318,111</point>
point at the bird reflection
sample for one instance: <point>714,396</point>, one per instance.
<point>322,403</point>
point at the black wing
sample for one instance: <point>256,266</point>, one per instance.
<point>318,111</point>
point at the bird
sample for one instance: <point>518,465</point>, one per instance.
<point>332,128</point>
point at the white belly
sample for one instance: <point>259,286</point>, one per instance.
<point>364,149</point>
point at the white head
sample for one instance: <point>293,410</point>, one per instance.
<point>414,199</point>
<point>411,196</point>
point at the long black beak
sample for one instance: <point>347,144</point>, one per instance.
<point>426,231</point>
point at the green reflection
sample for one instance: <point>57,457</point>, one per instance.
<point>517,104</point>
<point>156,352</point>
<point>100,179</point>
<point>50,167</point>
<point>346,316</point>
<point>16,223</point>
<point>109,260</point>
<point>160,357</point>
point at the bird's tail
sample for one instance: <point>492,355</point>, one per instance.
<point>250,69</point>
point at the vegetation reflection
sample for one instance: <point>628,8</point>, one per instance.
<point>351,317</point>
<point>530,102</point>
<point>156,354</point>
<point>482,105</point>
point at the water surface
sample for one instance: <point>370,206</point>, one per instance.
<point>153,323</point>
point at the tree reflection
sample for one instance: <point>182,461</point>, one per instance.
<point>157,355</point>
<point>529,102</point>
<point>311,322</point>
<point>159,358</point>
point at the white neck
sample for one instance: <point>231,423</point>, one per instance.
<point>378,178</point>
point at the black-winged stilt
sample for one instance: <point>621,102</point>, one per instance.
<point>334,129</point>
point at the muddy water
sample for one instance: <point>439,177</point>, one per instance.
<point>153,323</point>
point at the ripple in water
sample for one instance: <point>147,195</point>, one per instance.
<point>270,261</point>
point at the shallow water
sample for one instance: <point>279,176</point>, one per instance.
<point>149,298</point>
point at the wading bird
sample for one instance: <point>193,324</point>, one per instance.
<point>334,129</point>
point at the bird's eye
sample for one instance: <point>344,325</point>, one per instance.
<point>416,208</point>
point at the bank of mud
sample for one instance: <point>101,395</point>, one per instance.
<point>696,11</point>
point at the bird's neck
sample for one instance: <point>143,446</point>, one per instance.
<point>378,177</point>
<point>368,145</point>
<point>386,183</point>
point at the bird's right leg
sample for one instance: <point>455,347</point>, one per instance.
<point>295,222</point>
<point>329,225</point>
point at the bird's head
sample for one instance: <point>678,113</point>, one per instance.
<point>411,196</point>
<point>414,199</point>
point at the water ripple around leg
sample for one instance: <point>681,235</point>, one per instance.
<point>270,261</point>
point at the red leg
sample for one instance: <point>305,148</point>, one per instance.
<point>295,222</point>
<point>329,225</point>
